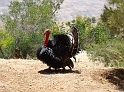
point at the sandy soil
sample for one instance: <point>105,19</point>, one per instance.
<point>17,75</point>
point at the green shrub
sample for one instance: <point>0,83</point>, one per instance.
<point>98,42</point>
<point>6,43</point>
<point>111,52</point>
<point>29,43</point>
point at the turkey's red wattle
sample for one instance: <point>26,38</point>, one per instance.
<point>46,39</point>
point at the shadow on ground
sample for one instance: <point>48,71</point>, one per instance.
<point>116,76</point>
<point>59,71</point>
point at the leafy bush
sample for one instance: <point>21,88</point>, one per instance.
<point>25,21</point>
<point>88,31</point>
<point>6,44</point>
<point>98,42</point>
<point>83,24</point>
<point>28,43</point>
<point>111,52</point>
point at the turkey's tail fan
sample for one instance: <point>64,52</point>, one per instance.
<point>74,34</point>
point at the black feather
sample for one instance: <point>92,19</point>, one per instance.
<point>46,55</point>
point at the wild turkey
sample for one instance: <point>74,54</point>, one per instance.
<point>57,51</point>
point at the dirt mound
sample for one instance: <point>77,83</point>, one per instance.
<point>116,76</point>
<point>17,75</point>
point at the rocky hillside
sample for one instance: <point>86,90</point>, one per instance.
<point>71,8</point>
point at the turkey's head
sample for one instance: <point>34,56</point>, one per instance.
<point>46,33</point>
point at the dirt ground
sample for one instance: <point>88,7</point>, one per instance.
<point>17,75</point>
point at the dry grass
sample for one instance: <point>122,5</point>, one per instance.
<point>17,75</point>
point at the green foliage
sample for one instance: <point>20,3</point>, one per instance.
<point>96,39</point>
<point>6,43</point>
<point>113,17</point>
<point>56,30</point>
<point>99,33</point>
<point>88,31</point>
<point>26,21</point>
<point>111,52</point>
<point>29,43</point>
<point>81,24</point>
<point>31,15</point>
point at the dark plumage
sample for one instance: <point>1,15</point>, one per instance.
<point>57,51</point>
